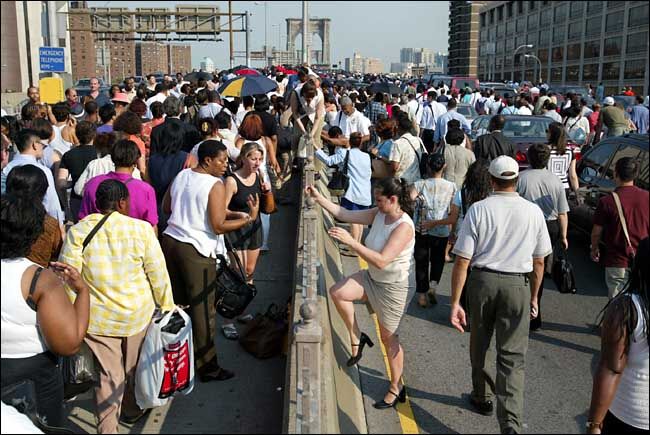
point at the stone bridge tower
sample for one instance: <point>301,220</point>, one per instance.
<point>320,26</point>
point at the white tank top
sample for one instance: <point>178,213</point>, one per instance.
<point>631,403</point>
<point>20,334</point>
<point>189,222</point>
<point>401,268</point>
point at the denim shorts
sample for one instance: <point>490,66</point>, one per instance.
<point>349,205</point>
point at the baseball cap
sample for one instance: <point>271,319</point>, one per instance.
<point>504,168</point>
<point>609,101</point>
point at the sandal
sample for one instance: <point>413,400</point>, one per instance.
<point>230,332</point>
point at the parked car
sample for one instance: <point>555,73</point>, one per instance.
<point>460,83</point>
<point>576,90</point>
<point>437,79</point>
<point>505,91</point>
<point>596,174</point>
<point>467,110</point>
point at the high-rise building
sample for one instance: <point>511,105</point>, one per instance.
<point>463,37</point>
<point>151,57</point>
<point>577,43</point>
<point>406,55</point>
<point>82,43</point>
<point>181,58</point>
<point>372,65</point>
<point>354,64</point>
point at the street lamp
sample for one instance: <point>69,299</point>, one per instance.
<point>512,73</point>
<point>539,62</point>
<point>266,25</point>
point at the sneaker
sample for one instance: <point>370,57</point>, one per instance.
<point>484,408</point>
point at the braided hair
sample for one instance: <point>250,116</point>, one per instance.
<point>109,193</point>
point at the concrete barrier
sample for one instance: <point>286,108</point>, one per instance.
<point>322,394</point>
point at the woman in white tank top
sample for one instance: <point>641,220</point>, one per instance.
<point>619,401</point>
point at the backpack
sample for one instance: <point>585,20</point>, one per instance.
<point>479,106</point>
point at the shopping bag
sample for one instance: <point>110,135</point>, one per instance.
<point>166,364</point>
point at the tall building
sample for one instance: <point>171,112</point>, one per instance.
<point>463,37</point>
<point>181,58</point>
<point>207,65</point>
<point>27,26</point>
<point>406,55</point>
<point>82,44</point>
<point>372,65</point>
<point>151,57</point>
<point>577,43</point>
<point>354,64</point>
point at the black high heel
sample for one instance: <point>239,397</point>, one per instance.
<point>363,340</point>
<point>401,397</point>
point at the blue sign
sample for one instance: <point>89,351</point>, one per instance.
<point>52,59</point>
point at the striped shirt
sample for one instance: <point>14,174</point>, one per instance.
<point>124,268</point>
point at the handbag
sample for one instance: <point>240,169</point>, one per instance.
<point>630,252</point>
<point>340,181</point>
<point>562,272</point>
<point>267,200</point>
<point>264,335</point>
<point>233,292</point>
<point>380,169</point>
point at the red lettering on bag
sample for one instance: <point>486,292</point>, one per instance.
<point>177,369</point>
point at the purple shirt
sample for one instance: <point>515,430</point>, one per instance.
<point>141,195</point>
<point>106,128</point>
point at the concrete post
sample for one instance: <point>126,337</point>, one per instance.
<point>305,32</point>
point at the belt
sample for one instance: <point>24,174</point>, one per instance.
<point>483,269</point>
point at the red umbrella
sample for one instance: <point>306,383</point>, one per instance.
<point>247,72</point>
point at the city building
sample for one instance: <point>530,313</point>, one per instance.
<point>372,65</point>
<point>82,44</point>
<point>207,65</point>
<point>180,59</point>
<point>27,26</point>
<point>463,37</point>
<point>421,58</point>
<point>577,43</point>
<point>151,57</point>
<point>354,64</point>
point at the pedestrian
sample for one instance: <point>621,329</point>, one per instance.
<point>509,108</point>
<point>494,144</point>
<point>387,283</point>
<point>386,129</point>
<point>431,112</point>
<point>613,118</point>
<point>539,186</point>
<point>407,151</point>
<point>107,115</point>
<point>623,227</point>
<point>172,107</point>
<point>196,204</point>
<point>562,162</point>
<point>502,290</point>
<point>350,120</point>
<point>549,109</point>
<point>39,323</point>
<point>441,126</point>
<point>121,309</point>
<point>639,115</point>
<point>358,194</point>
<point>619,399</point>
<point>147,127</point>
<point>600,92</point>
<point>457,157</point>
<point>576,125</point>
<point>433,197</point>
<point>593,122</point>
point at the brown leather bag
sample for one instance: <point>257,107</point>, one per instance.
<point>267,200</point>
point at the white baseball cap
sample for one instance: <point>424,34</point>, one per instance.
<point>504,168</point>
<point>609,101</point>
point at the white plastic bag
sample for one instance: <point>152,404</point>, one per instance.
<point>166,364</point>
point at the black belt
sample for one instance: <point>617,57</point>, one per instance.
<point>483,269</point>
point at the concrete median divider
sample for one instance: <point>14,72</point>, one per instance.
<point>322,394</point>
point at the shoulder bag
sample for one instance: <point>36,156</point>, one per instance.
<point>422,163</point>
<point>340,181</point>
<point>232,291</point>
<point>630,252</point>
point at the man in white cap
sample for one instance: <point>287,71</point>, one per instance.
<point>613,118</point>
<point>505,239</point>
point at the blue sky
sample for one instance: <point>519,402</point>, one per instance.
<point>374,29</point>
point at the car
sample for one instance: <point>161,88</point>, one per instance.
<point>467,110</point>
<point>460,83</point>
<point>490,85</point>
<point>576,90</point>
<point>595,172</point>
<point>438,80</point>
<point>505,91</point>
<point>626,100</point>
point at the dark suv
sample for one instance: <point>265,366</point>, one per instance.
<point>596,174</point>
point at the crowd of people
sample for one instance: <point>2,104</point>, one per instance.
<point>99,192</point>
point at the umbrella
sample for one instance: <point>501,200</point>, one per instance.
<point>247,72</point>
<point>196,76</point>
<point>247,85</point>
<point>385,88</point>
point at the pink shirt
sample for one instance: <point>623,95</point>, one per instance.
<point>142,197</point>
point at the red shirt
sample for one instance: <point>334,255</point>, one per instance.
<point>635,203</point>
<point>629,93</point>
<point>593,120</point>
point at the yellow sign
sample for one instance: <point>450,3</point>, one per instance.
<point>51,89</point>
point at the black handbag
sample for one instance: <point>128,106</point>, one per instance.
<point>233,292</point>
<point>562,272</point>
<point>340,181</point>
<point>264,335</point>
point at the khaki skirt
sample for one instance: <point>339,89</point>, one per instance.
<point>388,301</point>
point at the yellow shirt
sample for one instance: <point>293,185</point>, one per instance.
<point>125,270</point>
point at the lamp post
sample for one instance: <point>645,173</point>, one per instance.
<point>512,73</point>
<point>539,62</point>
<point>266,25</point>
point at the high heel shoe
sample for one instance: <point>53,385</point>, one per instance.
<point>401,397</point>
<point>363,340</point>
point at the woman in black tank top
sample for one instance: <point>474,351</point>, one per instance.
<point>240,185</point>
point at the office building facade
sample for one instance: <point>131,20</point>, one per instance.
<point>577,43</point>
<point>463,37</point>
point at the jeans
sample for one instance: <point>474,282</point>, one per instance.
<point>429,260</point>
<point>43,371</point>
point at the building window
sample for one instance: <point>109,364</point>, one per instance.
<point>500,13</point>
<point>635,69</point>
<point>613,46</point>
<point>492,16</point>
<point>612,5</point>
<point>593,7</point>
<point>500,30</point>
<point>483,19</point>
<point>572,73</point>
<point>573,51</point>
<point>590,71</point>
<point>510,44</point>
<point>510,27</point>
<point>546,16</point>
<point>560,13</point>
<point>615,21</point>
<point>558,54</point>
<point>593,26</point>
<point>531,6</point>
<point>521,25</point>
<point>544,38</point>
<point>592,49</point>
<point>543,55</point>
<point>556,75</point>
<point>509,9</point>
<point>558,34</point>
<point>575,30</point>
<point>638,16</point>
<point>520,7</point>
<point>611,70</point>
<point>576,10</point>
<point>531,38</point>
<point>532,22</point>
<point>637,42</point>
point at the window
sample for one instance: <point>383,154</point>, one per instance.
<point>520,7</point>
<point>572,73</point>
<point>638,16</point>
<point>483,20</point>
<point>575,30</point>
<point>521,25</point>
<point>590,71</point>
<point>592,49</point>
<point>543,55</point>
<point>593,7</point>
<point>623,151</point>
<point>556,75</point>
<point>613,5</point>
<point>593,163</point>
<point>613,46</point>
<point>500,30</point>
<point>593,26</point>
<point>611,70</point>
<point>636,43</point>
<point>615,21</point>
<point>510,44</point>
<point>500,13</point>
<point>531,38</point>
<point>577,9</point>
<point>560,13</point>
<point>509,9</point>
<point>635,69</point>
<point>546,16</point>
<point>558,34</point>
<point>532,21</point>
<point>544,37</point>
<point>531,6</point>
<point>573,51</point>
<point>492,16</point>
<point>558,54</point>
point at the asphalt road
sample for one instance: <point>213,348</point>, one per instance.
<point>559,364</point>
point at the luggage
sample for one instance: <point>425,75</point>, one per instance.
<point>264,335</point>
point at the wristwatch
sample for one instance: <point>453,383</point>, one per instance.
<point>594,425</point>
